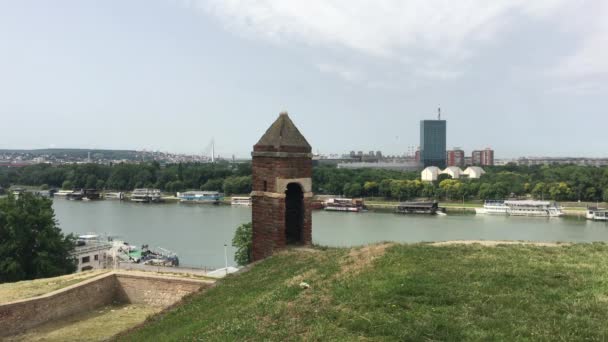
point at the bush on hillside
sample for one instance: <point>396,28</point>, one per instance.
<point>243,242</point>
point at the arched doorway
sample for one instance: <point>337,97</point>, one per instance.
<point>294,213</point>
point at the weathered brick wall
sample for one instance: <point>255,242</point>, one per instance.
<point>268,211</point>
<point>25,314</point>
<point>153,291</point>
<point>268,225</point>
<point>270,168</point>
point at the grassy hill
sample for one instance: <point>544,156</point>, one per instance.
<point>403,292</point>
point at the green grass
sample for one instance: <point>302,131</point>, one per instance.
<point>409,293</point>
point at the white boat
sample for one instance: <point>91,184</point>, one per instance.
<point>212,197</point>
<point>114,195</point>
<point>597,214</point>
<point>245,201</point>
<point>146,195</point>
<point>521,208</point>
<point>344,204</point>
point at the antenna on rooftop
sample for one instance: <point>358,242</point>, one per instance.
<point>439,113</point>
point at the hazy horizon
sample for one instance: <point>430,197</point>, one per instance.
<point>524,78</point>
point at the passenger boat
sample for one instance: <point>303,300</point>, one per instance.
<point>521,208</point>
<point>145,195</point>
<point>244,201</point>
<point>430,208</point>
<point>212,197</point>
<point>596,214</point>
<point>345,204</point>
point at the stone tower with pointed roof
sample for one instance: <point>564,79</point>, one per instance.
<point>282,189</point>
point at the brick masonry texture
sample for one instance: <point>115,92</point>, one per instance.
<point>268,202</point>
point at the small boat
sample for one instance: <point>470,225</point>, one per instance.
<point>244,201</point>
<point>212,197</point>
<point>345,204</point>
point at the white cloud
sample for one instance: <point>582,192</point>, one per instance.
<point>348,74</point>
<point>591,57</point>
<point>381,27</point>
<point>433,37</point>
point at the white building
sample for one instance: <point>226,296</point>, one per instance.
<point>474,172</point>
<point>452,171</point>
<point>430,174</point>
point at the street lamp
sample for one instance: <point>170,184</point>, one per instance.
<point>226,257</point>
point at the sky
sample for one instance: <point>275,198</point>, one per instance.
<point>526,78</point>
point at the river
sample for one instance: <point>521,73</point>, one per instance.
<point>197,233</point>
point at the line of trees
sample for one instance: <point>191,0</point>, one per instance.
<point>557,182</point>
<point>226,177</point>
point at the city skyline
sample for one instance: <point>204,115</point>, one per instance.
<point>172,75</point>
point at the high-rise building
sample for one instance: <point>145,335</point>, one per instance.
<point>433,142</point>
<point>487,157</point>
<point>455,157</point>
<point>483,157</point>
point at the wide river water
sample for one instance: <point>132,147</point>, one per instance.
<point>197,233</point>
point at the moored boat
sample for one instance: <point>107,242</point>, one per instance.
<point>597,214</point>
<point>244,201</point>
<point>520,208</point>
<point>430,208</point>
<point>114,195</point>
<point>145,195</point>
<point>212,197</point>
<point>345,204</point>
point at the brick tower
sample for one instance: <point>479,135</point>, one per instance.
<point>282,189</point>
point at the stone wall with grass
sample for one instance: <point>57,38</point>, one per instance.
<point>158,291</point>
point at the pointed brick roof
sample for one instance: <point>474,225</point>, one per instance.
<point>283,135</point>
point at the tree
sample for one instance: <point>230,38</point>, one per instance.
<point>216,184</point>
<point>31,244</point>
<point>352,190</point>
<point>243,241</point>
<point>370,188</point>
<point>67,185</point>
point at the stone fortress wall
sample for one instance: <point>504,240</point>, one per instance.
<point>108,288</point>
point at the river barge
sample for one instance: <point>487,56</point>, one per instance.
<point>345,204</point>
<point>428,208</point>
<point>84,194</point>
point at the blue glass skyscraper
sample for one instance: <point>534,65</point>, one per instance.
<point>433,143</point>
